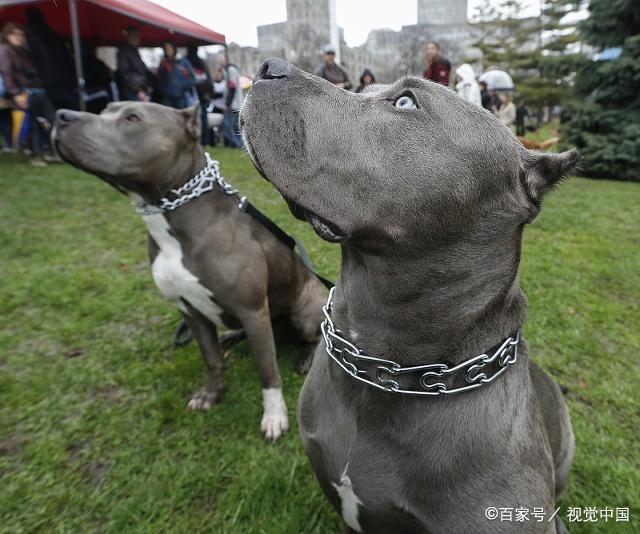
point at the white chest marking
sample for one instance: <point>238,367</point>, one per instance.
<point>349,500</point>
<point>173,279</point>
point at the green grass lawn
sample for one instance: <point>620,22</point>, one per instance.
<point>94,431</point>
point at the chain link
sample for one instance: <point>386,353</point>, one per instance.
<point>431,378</point>
<point>201,183</point>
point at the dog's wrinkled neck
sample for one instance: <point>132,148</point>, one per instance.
<point>162,181</point>
<point>443,305</point>
<point>193,166</point>
<point>186,167</point>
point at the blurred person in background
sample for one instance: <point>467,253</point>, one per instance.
<point>232,102</point>
<point>217,105</point>
<point>522,114</point>
<point>176,79</point>
<point>437,68</point>
<point>24,86</point>
<point>495,102</point>
<point>53,61</point>
<point>507,111</point>
<point>204,88</point>
<point>219,85</point>
<point>98,79</point>
<point>367,78</point>
<point>6,117</point>
<point>466,84</point>
<point>485,97</point>
<point>134,78</point>
<point>331,71</point>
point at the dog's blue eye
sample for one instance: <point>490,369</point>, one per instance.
<point>405,102</point>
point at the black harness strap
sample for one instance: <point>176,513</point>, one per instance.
<point>269,225</point>
<point>285,238</point>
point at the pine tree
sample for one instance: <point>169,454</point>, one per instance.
<point>561,55</point>
<point>540,53</point>
<point>505,39</point>
<point>605,118</point>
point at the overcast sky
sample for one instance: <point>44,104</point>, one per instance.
<point>237,19</point>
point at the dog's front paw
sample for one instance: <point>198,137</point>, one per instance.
<point>275,420</point>
<point>203,400</point>
<point>274,425</point>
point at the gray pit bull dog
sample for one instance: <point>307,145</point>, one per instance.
<point>428,196</point>
<point>214,261</point>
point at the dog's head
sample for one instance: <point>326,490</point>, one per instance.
<point>134,146</point>
<point>399,161</point>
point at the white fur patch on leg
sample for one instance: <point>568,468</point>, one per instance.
<point>350,501</point>
<point>275,420</point>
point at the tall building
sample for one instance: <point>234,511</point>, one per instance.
<point>271,37</point>
<point>436,12</point>
<point>308,30</point>
<point>311,25</point>
<point>303,15</point>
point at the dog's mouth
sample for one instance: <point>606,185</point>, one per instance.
<point>67,156</point>
<point>251,151</point>
<point>55,142</point>
<point>325,229</point>
<point>60,147</point>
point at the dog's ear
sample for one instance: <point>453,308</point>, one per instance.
<point>192,121</point>
<point>542,171</point>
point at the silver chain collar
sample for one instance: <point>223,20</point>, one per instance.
<point>429,379</point>
<point>200,184</point>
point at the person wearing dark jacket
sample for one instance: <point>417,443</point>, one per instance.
<point>522,114</point>
<point>52,59</point>
<point>204,87</point>
<point>367,78</point>
<point>331,71</point>
<point>134,78</point>
<point>98,79</point>
<point>176,78</point>
<point>485,96</point>
<point>437,69</point>
<point>6,117</point>
<point>24,86</point>
<point>233,99</point>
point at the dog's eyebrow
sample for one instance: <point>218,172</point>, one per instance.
<point>409,82</point>
<point>115,106</point>
<point>412,83</point>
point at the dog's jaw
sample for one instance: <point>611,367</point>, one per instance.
<point>324,228</point>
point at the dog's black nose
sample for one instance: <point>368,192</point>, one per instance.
<point>273,68</point>
<point>65,117</point>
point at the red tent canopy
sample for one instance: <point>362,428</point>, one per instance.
<point>103,21</point>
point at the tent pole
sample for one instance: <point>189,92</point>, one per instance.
<point>77,51</point>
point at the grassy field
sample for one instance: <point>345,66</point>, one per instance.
<point>94,431</point>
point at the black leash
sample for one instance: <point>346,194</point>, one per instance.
<point>285,238</point>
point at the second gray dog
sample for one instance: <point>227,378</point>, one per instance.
<point>422,411</point>
<point>219,265</point>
